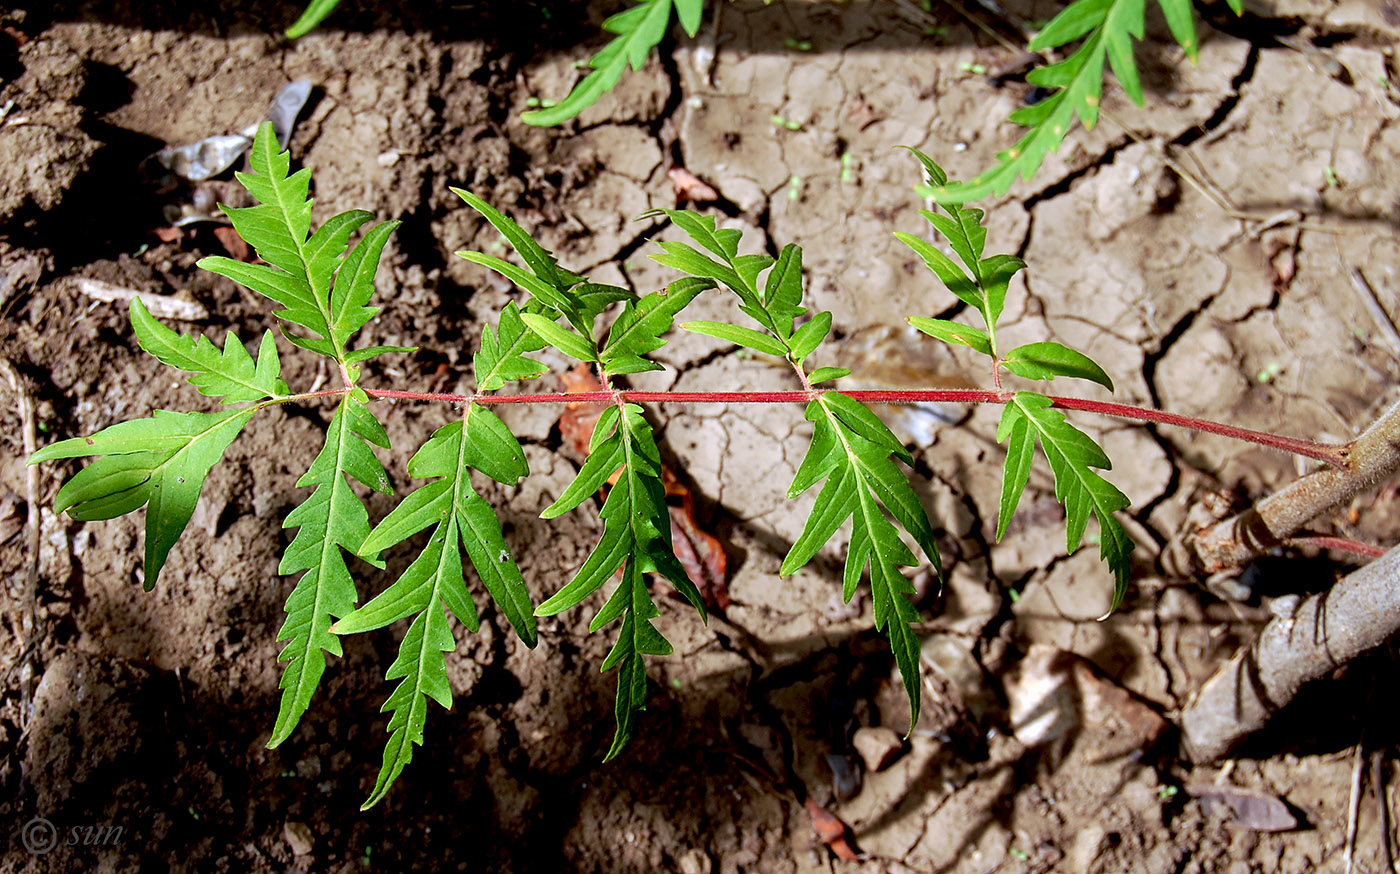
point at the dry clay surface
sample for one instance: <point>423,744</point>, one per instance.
<point>150,711</point>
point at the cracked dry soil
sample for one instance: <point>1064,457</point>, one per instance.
<point>149,711</point>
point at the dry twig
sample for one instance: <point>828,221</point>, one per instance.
<point>1325,631</point>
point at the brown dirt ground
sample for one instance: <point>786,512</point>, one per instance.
<point>149,712</point>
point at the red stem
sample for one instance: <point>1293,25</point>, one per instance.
<point>1331,453</point>
<point>1343,544</point>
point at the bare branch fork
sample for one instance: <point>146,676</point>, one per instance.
<point>1326,630</point>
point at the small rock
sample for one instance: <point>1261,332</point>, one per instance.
<point>1087,845</point>
<point>298,836</point>
<point>695,861</point>
<point>879,747</point>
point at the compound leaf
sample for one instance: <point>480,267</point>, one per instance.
<point>636,540</point>
<point>299,270</point>
<point>330,520</point>
<point>1109,28</point>
<point>862,484</point>
<point>435,580</point>
<point>231,374</point>
<point>1073,455</point>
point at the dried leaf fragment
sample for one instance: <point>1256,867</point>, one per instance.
<point>690,187</point>
<point>1245,808</point>
<point>833,831</point>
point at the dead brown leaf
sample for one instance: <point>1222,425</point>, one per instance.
<point>576,423</point>
<point>833,831</point>
<point>699,551</point>
<point>690,187</point>
<point>1245,808</point>
<point>233,244</point>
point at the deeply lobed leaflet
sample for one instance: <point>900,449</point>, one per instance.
<point>323,286</point>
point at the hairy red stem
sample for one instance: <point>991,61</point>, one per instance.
<point>1331,453</point>
<point>1342,544</point>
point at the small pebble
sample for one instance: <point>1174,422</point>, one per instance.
<point>879,747</point>
<point>298,836</point>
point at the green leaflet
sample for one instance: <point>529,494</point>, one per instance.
<point>639,327</point>
<point>1048,360</point>
<point>501,358</point>
<point>637,539</point>
<point>807,338</point>
<point>541,263</point>
<point>782,290</point>
<point>738,335</point>
<point>637,638</point>
<point>559,337</point>
<point>639,30</point>
<point>329,520</point>
<point>1015,431</point>
<point>864,484</point>
<point>314,14</point>
<point>434,580</point>
<point>1073,455</point>
<point>160,463</point>
<point>1109,28</point>
<point>230,374</point>
<point>299,270</point>
<point>822,374</point>
<point>954,333</point>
